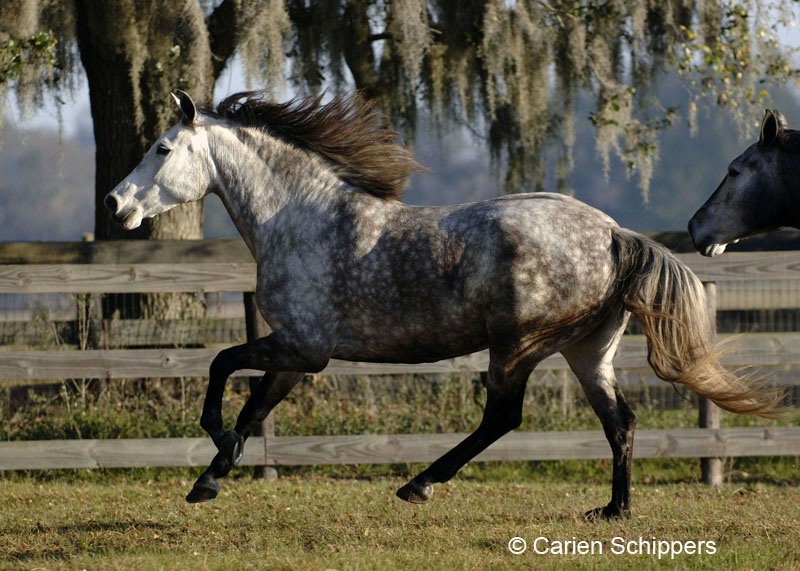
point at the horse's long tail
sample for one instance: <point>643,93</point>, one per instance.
<point>670,303</point>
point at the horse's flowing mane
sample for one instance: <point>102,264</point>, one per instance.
<point>346,131</point>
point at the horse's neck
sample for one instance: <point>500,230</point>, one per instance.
<point>260,177</point>
<point>789,173</point>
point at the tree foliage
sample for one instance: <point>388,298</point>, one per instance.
<point>512,70</point>
<point>32,59</point>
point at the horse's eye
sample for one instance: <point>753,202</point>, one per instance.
<point>162,149</point>
<point>732,172</point>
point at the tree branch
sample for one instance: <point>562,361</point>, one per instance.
<point>379,37</point>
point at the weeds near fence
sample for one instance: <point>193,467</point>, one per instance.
<point>401,404</point>
<point>333,405</point>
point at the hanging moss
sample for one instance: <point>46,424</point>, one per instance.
<point>33,59</point>
<point>407,25</point>
<point>510,69</point>
<point>263,50</point>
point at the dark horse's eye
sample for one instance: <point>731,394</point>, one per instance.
<point>162,149</point>
<point>732,172</point>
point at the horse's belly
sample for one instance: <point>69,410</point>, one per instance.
<point>414,339</point>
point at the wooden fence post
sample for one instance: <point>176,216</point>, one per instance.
<point>256,328</point>
<point>710,468</point>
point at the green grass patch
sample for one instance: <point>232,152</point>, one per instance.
<point>319,523</point>
<point>347,517</point>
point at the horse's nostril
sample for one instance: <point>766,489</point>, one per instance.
<point>111,203</point>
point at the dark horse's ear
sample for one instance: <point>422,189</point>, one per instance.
<point>187,106</point>
<point>771,128</point>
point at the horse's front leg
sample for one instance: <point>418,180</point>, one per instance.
<point>267,354</point>
<point>229,444</point>
<point>271,390</point>
<point>223,366</point>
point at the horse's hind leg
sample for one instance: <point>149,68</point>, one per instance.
<point>590,360</point>
<point>502,414</point>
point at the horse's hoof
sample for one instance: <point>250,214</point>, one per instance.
<point>415,493</point>
<point>204,490</point>
<point>608,512</point>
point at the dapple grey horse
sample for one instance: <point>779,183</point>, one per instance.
<point>347,271</point>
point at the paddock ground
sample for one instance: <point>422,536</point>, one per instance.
<point>321,523</point>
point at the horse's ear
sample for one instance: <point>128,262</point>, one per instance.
<point>771,127</point>
<point>187,106</point>
<point>782,123</point>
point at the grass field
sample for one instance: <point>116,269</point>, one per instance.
<point>324,523</point>
<point>347,517</point>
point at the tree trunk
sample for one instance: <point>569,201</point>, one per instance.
<point>134,54</point>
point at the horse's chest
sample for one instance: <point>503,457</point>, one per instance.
<point>295,292</point>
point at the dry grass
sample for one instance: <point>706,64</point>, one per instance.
<point>316,523</point>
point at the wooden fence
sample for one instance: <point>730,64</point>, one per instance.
<point>226,266</point>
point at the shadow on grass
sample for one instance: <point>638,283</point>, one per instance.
<point>79,539</point>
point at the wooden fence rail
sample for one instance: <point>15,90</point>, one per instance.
<point>226,266</point>
<point>754,349</point>
<point>395,448</point>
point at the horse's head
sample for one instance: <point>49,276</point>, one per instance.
<point>175,170</point>
<point>752,198</point>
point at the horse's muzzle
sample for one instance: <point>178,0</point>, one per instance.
<point>128,218</point>
<point>703,240</point>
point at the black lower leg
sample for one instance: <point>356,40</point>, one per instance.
<point>269,391</point>
<point>420,489</point>
<point>225,363</point>
<point>272,388</point>
<point>230,444</point>
<point>206,487</point>
<point>500,417</point>
<point>620,436</point>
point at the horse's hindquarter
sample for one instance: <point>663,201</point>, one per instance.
<point>561,277</point>
<point>431,283</point>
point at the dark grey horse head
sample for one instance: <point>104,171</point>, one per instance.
<point>758,193</point>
